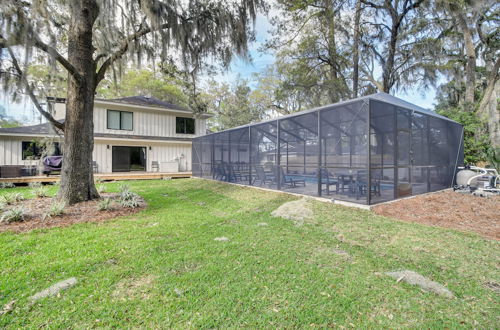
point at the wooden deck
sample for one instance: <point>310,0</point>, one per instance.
<point>116,176</point>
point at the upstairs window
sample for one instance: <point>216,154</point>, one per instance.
<point>184,125</point>
<point>122,120</point>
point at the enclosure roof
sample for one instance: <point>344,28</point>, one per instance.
<point>380,96</point>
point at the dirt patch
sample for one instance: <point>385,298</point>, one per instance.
<point>298,211</point>
<point>423,282</point>
<point>35,209</point>
<point>449,209</point>
<point>134,288</point>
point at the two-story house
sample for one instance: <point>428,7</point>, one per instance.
<point>130,134</point>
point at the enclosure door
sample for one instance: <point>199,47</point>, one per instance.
<point>127,159</point>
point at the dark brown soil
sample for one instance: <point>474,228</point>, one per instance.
<point>34,209</point>
<point>449,209</point>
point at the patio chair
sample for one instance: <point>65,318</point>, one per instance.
<point>155,166</point>
<point>328,180</point>
<point>361,185</point>
<point>287,179</point>
<point>262,176</point>
<point>220,172</point>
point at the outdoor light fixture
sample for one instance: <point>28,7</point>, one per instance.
<point>107,146</point>
<point>150,148</point>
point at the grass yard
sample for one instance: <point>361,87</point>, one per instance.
<point>162,267</point>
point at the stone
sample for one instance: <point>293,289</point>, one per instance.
<point>414,278</point>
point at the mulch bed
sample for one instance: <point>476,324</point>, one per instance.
<point>449,209</point>
<point>34,210</point>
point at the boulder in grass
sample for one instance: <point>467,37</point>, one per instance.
<point>54,289</point>
<point>414,278</point>
<point>298,211</point>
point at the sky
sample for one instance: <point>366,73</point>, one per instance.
<point>25,111</point>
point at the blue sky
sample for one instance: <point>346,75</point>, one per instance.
<point>239,67</point>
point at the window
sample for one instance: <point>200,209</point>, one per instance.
<point>184,125</point>
<point>122,120</point>
<point>34,150</point>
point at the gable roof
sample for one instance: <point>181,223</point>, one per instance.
<point>147,101</point>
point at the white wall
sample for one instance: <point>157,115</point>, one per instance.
<point>147,123</point>
<point>160,152</point>
<point>11,150</point>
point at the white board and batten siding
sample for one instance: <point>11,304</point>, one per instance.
<point>160,151</point>
<point>146,122</point>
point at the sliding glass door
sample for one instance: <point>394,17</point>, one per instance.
<point>129,159</point>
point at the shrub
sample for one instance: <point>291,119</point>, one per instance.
<point>13,215</point>
<point>125,193</point>
<point>132,201</point>
<point>123,187</point>
<point>56,209</point>
<point>12,198</point>
<point>104,204</point>
<point>101,188</point>
<point>39,191</point>
<point>7,185</point>
<point>34,184</point>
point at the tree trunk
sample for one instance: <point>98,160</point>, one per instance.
<point>77,179</point>
<point>387,74</point>
<point>355,50</point>
<point>488,107</point>
<point>470,53</point>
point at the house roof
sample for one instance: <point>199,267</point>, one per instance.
<point>147,101</point>
<point>34,129</point>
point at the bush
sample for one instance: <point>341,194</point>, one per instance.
<point>476,141</point>
<point>12,198</point>
<point>13,215</point>
<point>57,208</point>
<point>7,185</point>
<point>34,184</point>
<point>101,188</point>
<point>132,201</point>
<point>104,204</point>
<point>39,191</point>
<point>125,193</point>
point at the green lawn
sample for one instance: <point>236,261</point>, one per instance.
<point>162,267</point>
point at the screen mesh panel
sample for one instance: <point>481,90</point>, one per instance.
<point>369,150</point>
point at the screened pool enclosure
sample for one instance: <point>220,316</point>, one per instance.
<point>367,150</point>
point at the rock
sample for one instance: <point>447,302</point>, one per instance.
<point>423,282</point>
<point>341,253</point>
<point>298,211</point>
<point>8,307</point>
<point>54,289</point>
<point>221,239</point>
<point>493,286</point>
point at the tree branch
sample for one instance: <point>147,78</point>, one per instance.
<point>58,57</point>
<point>123,49</point>
<point>47,115</point>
